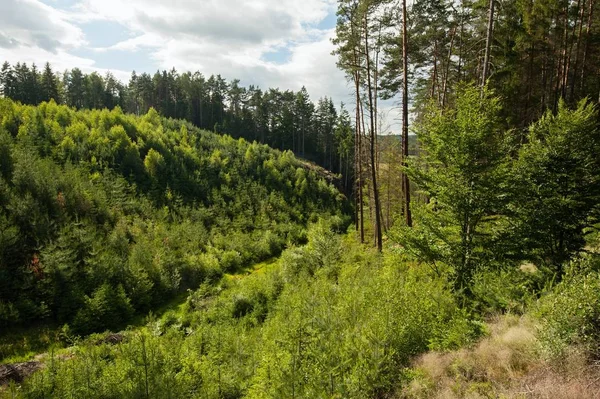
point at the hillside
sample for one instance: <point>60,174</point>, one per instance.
<point>210,267</point>
<point>333,319</point>
<point>105,215</point>
<point>179,218</point>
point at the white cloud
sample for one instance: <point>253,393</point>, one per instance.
<point>30,23</point>
<point>310,64</point>
<point>221,20</point>
<point>223,26</point>
<point>134,43</point>
<point>230,38</point>
<point>60,61</point>
<point>33,32</point>
<point>227,37</point>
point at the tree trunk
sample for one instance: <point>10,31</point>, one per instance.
<point>530,80</point>
<point>372,136</point>
<point>361,157</point>
<point>405,181</point>
<point>558,70</point>
<point>356,175</point>
<point>389,188</point>
<point>488,45</point>
<point>358,158</point>
<point>544,82</point>
<point>565,53</point>
<point>587,43</point>
<point>435,72</point>
<point>577,49</point>
<point>460,49</point>
<point>447,71</point>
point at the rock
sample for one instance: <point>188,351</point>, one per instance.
<point>113,339</point>
<point>17,371</point>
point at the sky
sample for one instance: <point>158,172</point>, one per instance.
<point>269,43</point>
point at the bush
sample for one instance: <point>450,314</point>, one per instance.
<point>570,314</point>
<point>297,262</point>
<point>507,290</point>
<point>8,314</point>
<point>241,306</point>
<point>230,261</point>
<point>106,309</point>
<point>348,335</point>
<point>460,330</point>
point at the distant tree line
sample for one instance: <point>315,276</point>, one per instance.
<point>284,120</point>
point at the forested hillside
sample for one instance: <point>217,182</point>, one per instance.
<point>282,119</point>
<point>142,257</point>
<point>104,215</point>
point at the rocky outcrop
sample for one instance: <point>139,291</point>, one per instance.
<point>17,371</point>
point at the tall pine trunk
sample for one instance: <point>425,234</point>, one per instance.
<point>587,44</point>
<point>570,52</point>
<point>565,53</point>
<point>488,45</point>
<point>447,71</point>
<point>577,49</point>
<point>405,181</point>
<point>373,132</point>
<point>358,157</point>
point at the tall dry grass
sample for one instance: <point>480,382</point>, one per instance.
<point>506,364</point>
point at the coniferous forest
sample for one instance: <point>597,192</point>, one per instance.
<point>285,120</point>
<point>177,236</point>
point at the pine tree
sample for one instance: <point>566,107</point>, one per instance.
<point>49,85</point>
<point>75,88</point>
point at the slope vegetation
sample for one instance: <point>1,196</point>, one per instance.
<point>104,215</point>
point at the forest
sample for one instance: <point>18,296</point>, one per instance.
<point>178,236</point>
<point>283,120</point>
<point>86,193</point>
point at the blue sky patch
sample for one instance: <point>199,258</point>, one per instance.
<point>104,33</point>
<point>60,4</point>
<point>140,61</point>
<point>280,56</point>
<point>328,22</point>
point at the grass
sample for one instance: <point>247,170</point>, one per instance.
<point>506,364</point>
<point>20,344</point>
<point>260,267</point>
<point>23,343</point>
